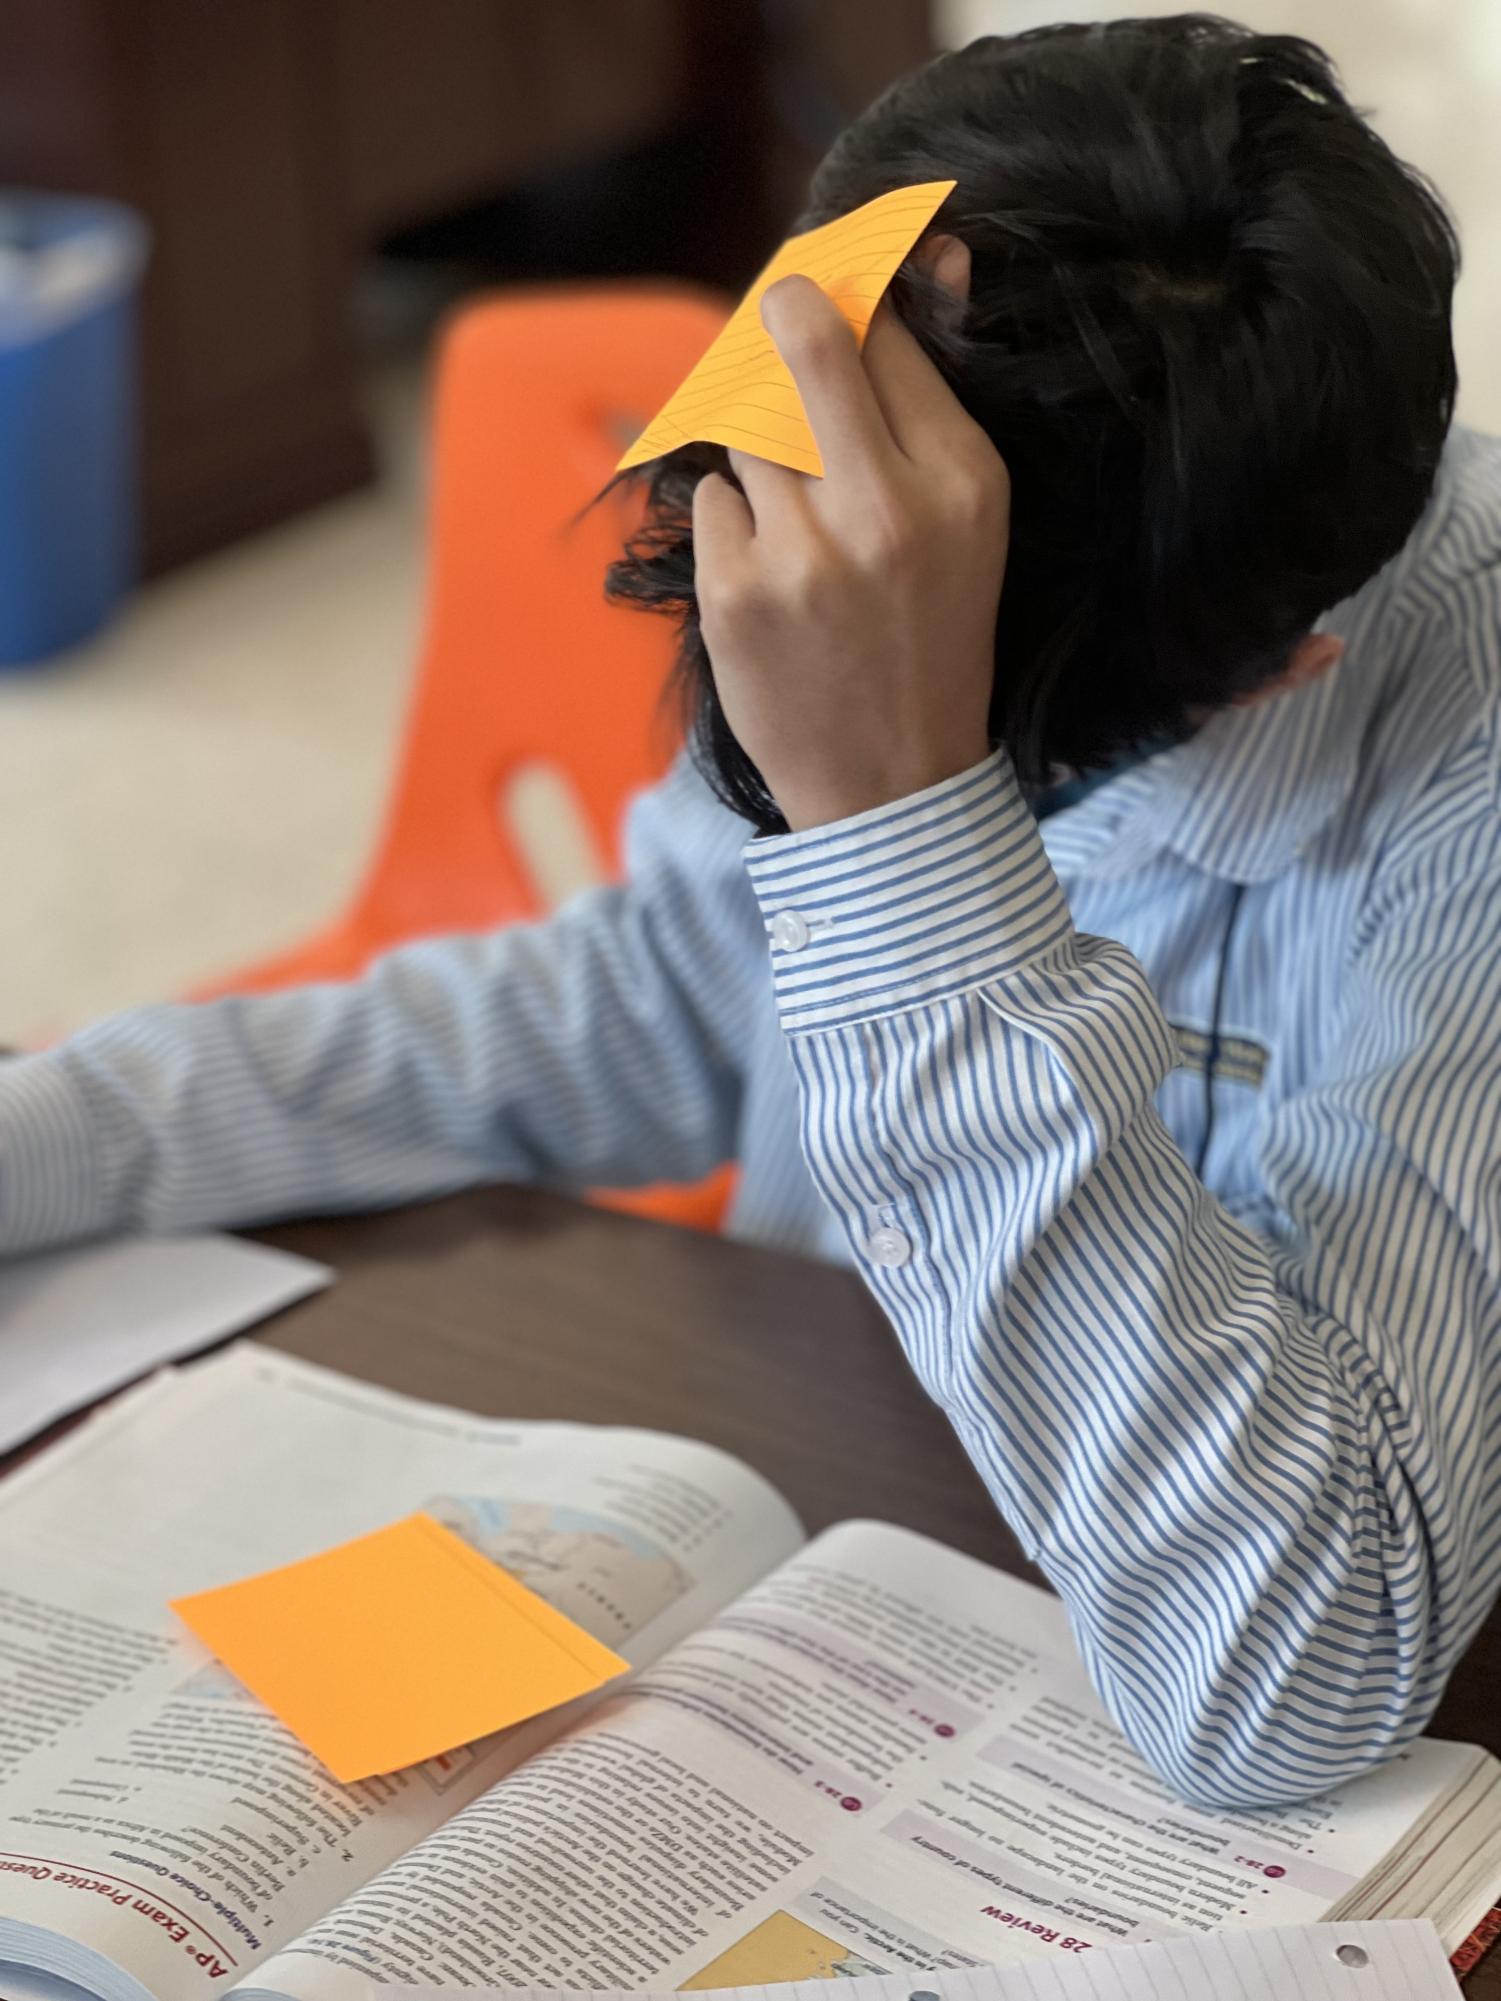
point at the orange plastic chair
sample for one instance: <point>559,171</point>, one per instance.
<point>523,663</point>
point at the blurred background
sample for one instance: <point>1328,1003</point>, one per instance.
<point>202,780</point>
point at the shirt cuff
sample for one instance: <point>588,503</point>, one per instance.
<point>49,1156</point>
<point>901,906</point>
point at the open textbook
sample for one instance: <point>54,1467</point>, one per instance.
<point>864,1755</point>
<point>1400,1960</point>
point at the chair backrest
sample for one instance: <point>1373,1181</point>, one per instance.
<point>523,663</point>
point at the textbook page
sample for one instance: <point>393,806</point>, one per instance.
<point>1361,1962</point>
<point>884,1757</point>
<point>152,1809</point>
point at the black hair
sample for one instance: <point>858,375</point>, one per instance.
<point>1208,331</point>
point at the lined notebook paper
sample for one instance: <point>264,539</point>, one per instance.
<point>740,393</point>
<point>1365,1962</point>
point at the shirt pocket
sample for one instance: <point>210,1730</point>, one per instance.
<point>1215,1120</point>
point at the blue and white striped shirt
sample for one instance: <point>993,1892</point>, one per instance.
<point>1235,1383</point>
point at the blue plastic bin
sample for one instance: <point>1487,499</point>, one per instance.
<point>69,505</point>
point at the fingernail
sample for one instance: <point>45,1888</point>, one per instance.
<point>776,296</point>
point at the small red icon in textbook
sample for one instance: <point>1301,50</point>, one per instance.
<point>943,1729</point>
<point>851,1804</point>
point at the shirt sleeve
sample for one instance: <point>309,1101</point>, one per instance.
<point>1252,1462</point>
<point>597,1048</point>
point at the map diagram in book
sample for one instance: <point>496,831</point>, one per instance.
<point>609,1578</point>
<point>214,1684</point>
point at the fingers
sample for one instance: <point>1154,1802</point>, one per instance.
<point>861,408</point>
<point>921,413</point>
<point>776,494</point>
<point>946,260</point>
<point>814,339</point>
<point>722,527</point>
<point>912,394</point>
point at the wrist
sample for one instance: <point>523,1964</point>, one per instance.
<point>823,799</point>
<point>907,904</point>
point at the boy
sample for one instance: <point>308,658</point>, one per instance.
<point>1162,1119</point>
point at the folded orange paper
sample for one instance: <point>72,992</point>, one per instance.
<point>396,1647</point>
<point>741,392</point>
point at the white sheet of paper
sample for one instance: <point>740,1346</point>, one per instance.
<point>76,1324</point>
<point>1402,1962</point>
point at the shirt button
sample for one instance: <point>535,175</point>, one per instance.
<point>789,931</point>
<point>888,1246</point>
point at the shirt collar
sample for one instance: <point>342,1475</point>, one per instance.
<point>1241,799</point>
<point>1255,787</point>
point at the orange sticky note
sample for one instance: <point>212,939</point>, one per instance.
<point>396,1647</point>
<point>741,393</point>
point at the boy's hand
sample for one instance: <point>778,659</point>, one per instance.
<point>850,620</point>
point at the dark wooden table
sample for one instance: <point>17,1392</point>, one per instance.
<point>520,1304</point>
<point>516,1303</point>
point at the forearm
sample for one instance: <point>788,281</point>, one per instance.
<point>563,1052</point>
<point>238,1111</point>
<point>1187,1455</point>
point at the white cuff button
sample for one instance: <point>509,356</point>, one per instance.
<point>789,931</point>
<point>888,1247</point>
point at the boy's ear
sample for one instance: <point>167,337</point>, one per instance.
<point>1314,654</point>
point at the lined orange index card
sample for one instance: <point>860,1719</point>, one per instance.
<point>741,393</point>
<point>396,1647</point>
